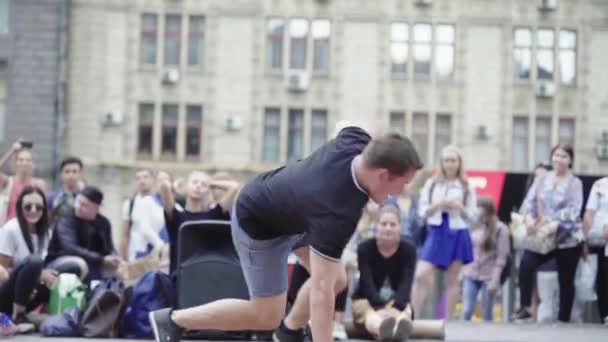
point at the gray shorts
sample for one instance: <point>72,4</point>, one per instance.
<point>264,262</point>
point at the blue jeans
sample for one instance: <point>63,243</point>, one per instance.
<point>470,289</point>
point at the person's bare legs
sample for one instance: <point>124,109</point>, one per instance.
<point>374,320</point>
<point>259,313</point>
<point>423,284</point>
<point>453,288</point>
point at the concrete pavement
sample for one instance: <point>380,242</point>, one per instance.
<point>462,332</point>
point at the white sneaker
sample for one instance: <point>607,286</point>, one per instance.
<point>339,332</point>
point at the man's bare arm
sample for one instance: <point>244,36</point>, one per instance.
<point>325,273</point>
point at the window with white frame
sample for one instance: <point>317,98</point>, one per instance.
<point>298,34</point>
<point>4,10</point>
<point>567,57</point>
<point>196,39</point>
<point>443,132</point>
<point>318,128</point>
<point>275,32</point>
<point>519,152</point>
<point>396,122</point>
<point>399,48</point>
<point>545,54</point>
<point>173,33</point>
<point>149,38</point>
<point>420,134</point>
<point>444,51</point>
<point>566,131</point>
<point>522,53</point>
<point>272,135</point>
<point>321,31</point>
<point>542,139</point>
<point>169,130</point>
<point>549,44</point>
<point>295,134</point>
<point>194,130</point>
<point>422,49</point>
<point>145,131</point>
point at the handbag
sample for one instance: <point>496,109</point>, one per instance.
<point>102,316</point>
<point>551,233</point>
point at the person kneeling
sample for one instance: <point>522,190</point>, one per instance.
<point>386,266</point>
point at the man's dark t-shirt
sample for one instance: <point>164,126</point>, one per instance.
<point>317,195</point>
<point>178,217</point>
<point>375,270</point>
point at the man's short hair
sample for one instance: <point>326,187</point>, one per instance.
<point>392,152</point>
<point>93,194</point>
<point>71,160</point>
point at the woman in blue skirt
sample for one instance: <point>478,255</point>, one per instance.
<point>448,206</point>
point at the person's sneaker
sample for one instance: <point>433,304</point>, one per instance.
<point>339,332</point>
<point>403,330</point>
<point>165,330</point>
<point>284,334</point>
<point>7,327</point>
<point>387,327</point>
<point>522,316</point>
<point>606,321</point>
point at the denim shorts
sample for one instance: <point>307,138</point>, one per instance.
<point>264,262</point>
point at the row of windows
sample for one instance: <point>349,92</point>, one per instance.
<point>425,41</point>
<point>427,46</point>
<point>299,122</point>
<point>541,138</point>
<point>170,137</point>
<point>172,39</point>
<point>429,132</point>
<point>542,46</point>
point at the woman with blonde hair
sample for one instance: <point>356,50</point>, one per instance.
<point>448,206</point>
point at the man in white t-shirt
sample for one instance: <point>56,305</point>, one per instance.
<point>143,219</point>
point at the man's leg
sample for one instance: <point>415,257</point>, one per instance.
<point>264,264</point>
<point>264,313</point>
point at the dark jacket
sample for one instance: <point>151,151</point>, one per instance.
<point>90,240</point>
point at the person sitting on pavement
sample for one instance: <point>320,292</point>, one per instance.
<point>381,302</point>
<point>85,235</point>
<point>24,242</point>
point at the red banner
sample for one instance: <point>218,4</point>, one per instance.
<point>488,183</point>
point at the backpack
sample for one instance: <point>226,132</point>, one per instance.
<point>67,292</point>
<point>62,325</point>
<point>153,291</point>
<point>106,305</point>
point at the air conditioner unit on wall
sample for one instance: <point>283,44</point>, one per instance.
<point>482,133</point>
<point>171,76</point>
<point>601,148</point>
<point>423,3</point>
<point>545,89</point>
<point>233,123</point>
<point>547,5</point>
<point>298,80</point>
<point>112,119</point>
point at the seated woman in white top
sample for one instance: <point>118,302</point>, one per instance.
<point>23,246</point>
<point>448,205</point>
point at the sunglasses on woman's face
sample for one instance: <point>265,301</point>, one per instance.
<point>31,207</point>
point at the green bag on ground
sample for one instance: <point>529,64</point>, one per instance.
<point>67,292</point>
